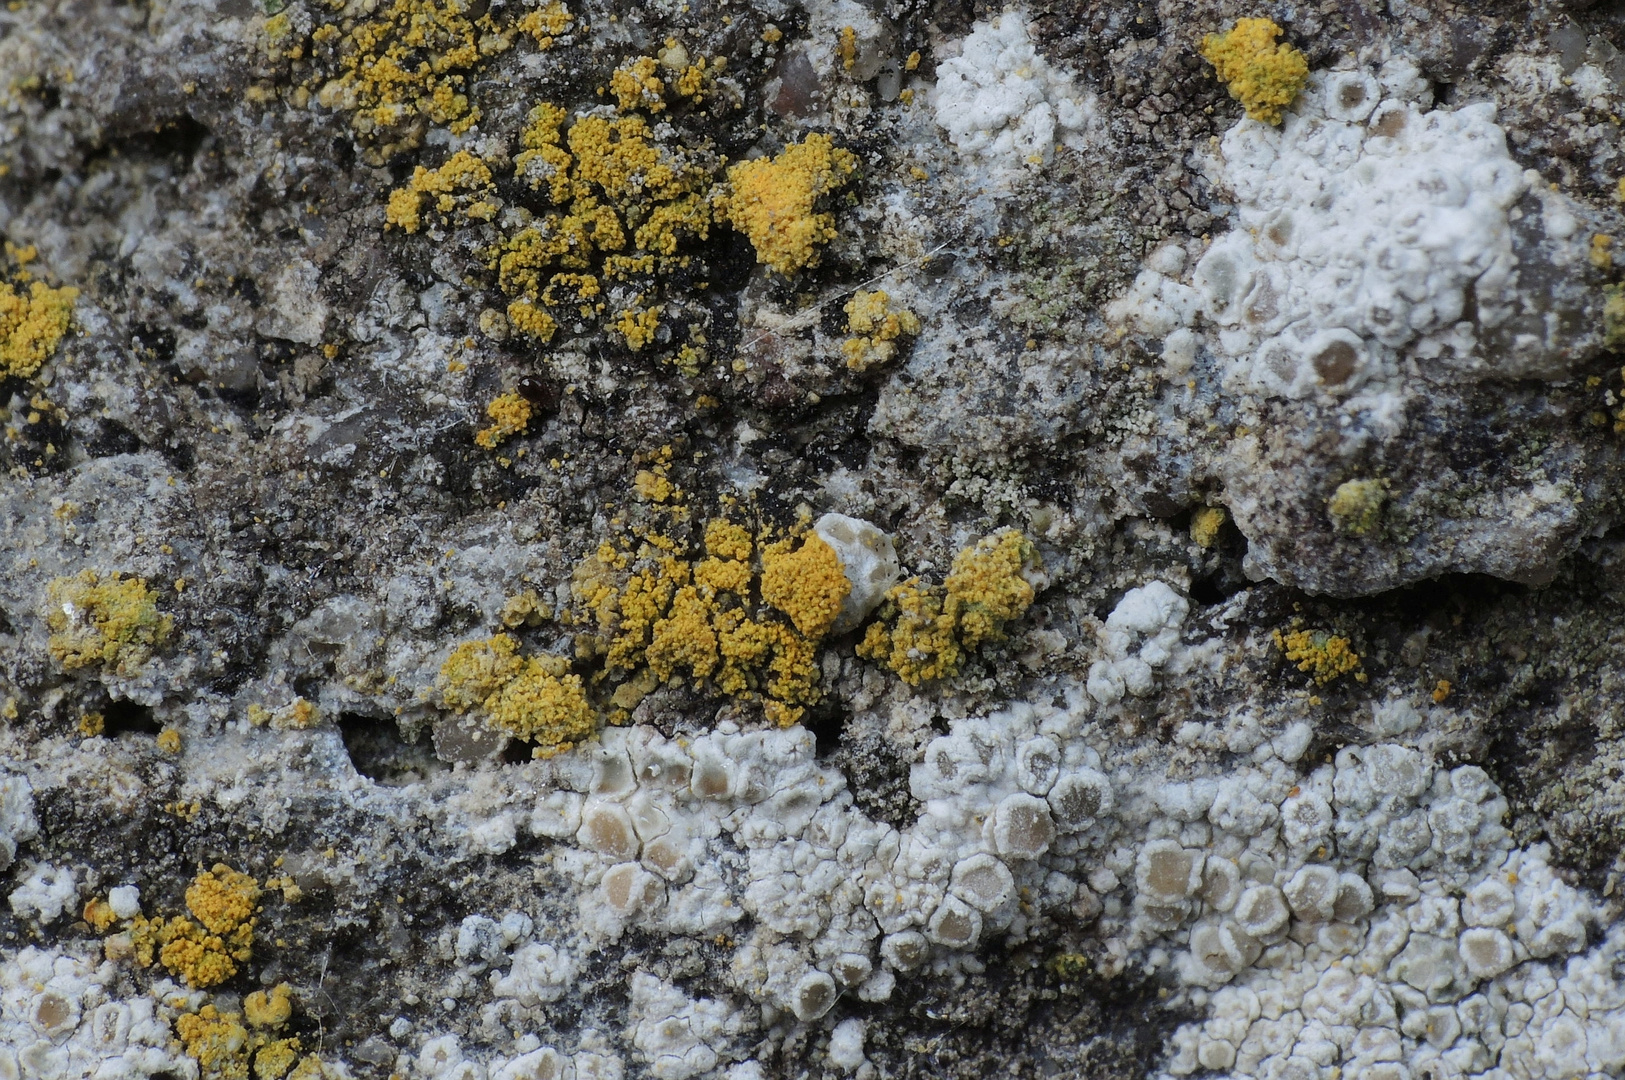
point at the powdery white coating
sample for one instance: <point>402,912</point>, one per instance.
<point>17,823</point>
<point>125,901</point>
<point>678,1036</point>
<point>868,560</point>
<point>45,893</point>
<point>1001,101</point>
<point>60,1016</point>
<point>1368,231</point>
<point>846,1045</point>
<point>1140,637</point>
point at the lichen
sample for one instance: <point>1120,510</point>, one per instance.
<point>743,616</point>
<point>923,632</point>
<point>206,949</point>
<point>533,698</point>
<point>463,184</point>
<point>33,319</point>
<point>1207,523</point>
<point>1320,654</point>
<point>1355,508</point>
<point>807,584</point>
<point>1613,318</point>
<point>1261,74</point>
<point>774,201</point>
<point>216,1041</point>
<point>509,414</point>
<point>107,621</point>
<point>876,327</point>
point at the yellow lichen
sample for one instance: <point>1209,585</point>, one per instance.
<point>876,326</point>
<point>106,621</point>
<point>847,47</point>
<point>216,1041</point>
<point>273,1060</point>
<point>222,899</point>
<point>774,202</point>
<point>169,741</point>
<point>923,632</point>
<point>404,67</point>
<point>1355,508</point>
<point>1207,523</point>
<point>1602,253</point>
<point>547,24</point>
<point>99,914</point>
<point>526,609</point>
<point>92,725</point>
<point>807,584</point>
<point>32,323</point>
<point>1322,655</point>
<point>1441,691</point>
<point>269,1009</point>
<point>636,85</point>
<point>462,183</point>
<point>531,698</point>
<point>1264,76</point>
<point>1613,318</point>
<point>204,952</point>
<point>742,628</point>
<point>510,415</point>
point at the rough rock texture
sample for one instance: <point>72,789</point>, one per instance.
<point>1322,650</point>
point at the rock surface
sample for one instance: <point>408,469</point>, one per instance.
<point>1062,578</point>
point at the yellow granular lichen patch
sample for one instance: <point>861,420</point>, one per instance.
<point>741,618</point>
<point>774,202</point>
<point>1602,251</point>
<point>987,588</point>
<point>107,621</point>
<point>92,725</point>
<point>223,899</point>
<point>876,326</point>
<point>273,1060</point>
<point>1207,523</point>
<point>510,415</point>
<point>1613,318</point>
<point>1355,508</point>
<point>408,65</point>
<point>623,205</point>
<point>169,741</point>
<point>32,323</point>
<point>463,184</point>
<point>807,584</point>
<point>216,1041</point>
<point>531,698</point>
<point>269,1009</point>
<point>1321,655</point>
<point>546,24</point>
<point>1264,76</point>
<point>923,632</point>
<point>99,914</point>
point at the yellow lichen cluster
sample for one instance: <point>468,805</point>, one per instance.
<point>1355,508</point>
<point>33,317</point>
<point>462,183</point>
<point>923,632</point>
<point>1322,655</point>
<point>1207,523</point>
<point>639,83</point>
<point>510,415</point>
<point>743,616</point>
<point>533,698</point>
<point>1613,318</point>
<point>876,326</point>
<point>206,948</point>
<point>774,202</point>
<point>1264,76</point>
<point>225,1049</point>
<point>106,621</point>
<point>410,64</point>
<point>624,204</point>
